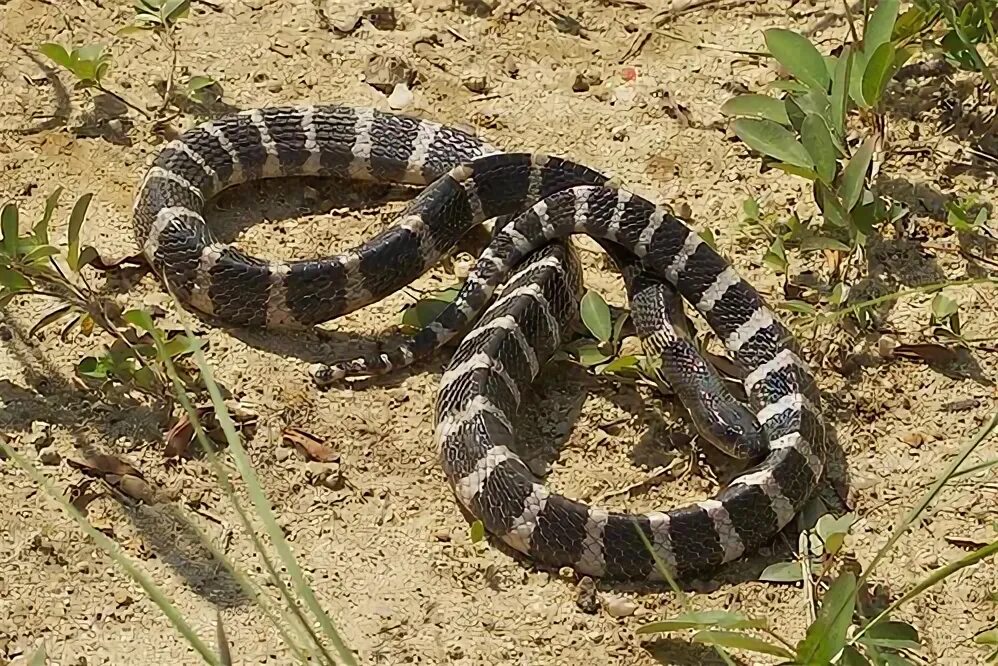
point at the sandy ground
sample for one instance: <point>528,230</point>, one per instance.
<point>388,550</point>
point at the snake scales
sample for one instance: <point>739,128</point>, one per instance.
<point>538,202</point>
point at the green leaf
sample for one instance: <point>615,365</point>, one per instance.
<point>39,657</point>
<point>856,78</point>
<point>798,56</point>
<point>596,315</point>
<point>40,253</point>
<point>854,175</point>
<point>589,355</point>
<point>75,224</point>
<point>739,641</point>
<point>840,91</point>
<point>758,106</point>
<point>833,531</point>
<point>776,256</point>
<point>196,83</point>
<point>94,368</point>
<point>943,307</point>
<point>794,111</point>
<point>827,634</point>
<point>909,24</point>
<point>853,657</point>
<point>41,230</point>
<point>881,25</point>
<point>807,174</point>
<point>618,326</point>
<point>893,635</point>
<point>620,364</point>
<point>879,70</point>
<point>174,10</point>
<point>818,243</point>
<point>751,208</point>
<point>427,309</point>
<point>783,572</point>
<point>50,318</point>
<point>817,141</point>
<point>770,139</point>
<point>87,256</point>
<point>702,619</point>
<point>800,307</point>
<point>13,281</point>
<point>788,86</point>
<point>477,531</point>
<point>139,319</point>
<point>9,232</point>
<point>56,53</point>
<point>989,637</point>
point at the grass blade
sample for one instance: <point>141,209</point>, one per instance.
<point>112,549</point>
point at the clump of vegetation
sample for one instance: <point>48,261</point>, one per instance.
<point>90,63</point>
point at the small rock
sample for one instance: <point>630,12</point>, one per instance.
<point>620,607</point>
<point>585,597</point>
<point>510,66</point>
<point>618,133</point>
<point>886,346</point>
<point>401,97</point>
<point>581,83</point>
<point>384,73</point>
<point>382,18</point>
<point>442,535</point>
<point>275,86</point>
<point>476,83</point>
<point>345,23</point>
<point>283,453</point>
<point>39,437</point>
<point>49,456</point>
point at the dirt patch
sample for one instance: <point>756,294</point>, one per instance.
<point>389,551</point>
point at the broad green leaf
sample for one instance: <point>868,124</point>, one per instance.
<point>818,142</point>
<point>770,139</point>
<point>179,345</point>
<point>853,657</point>
<point>943,307</point>
<point>909,24</point>
<point>794,112</point>
<point>41,230</point>
<point>751,208</point>
<point>854,175</point>
<point>879,70</point>
<point>596,315</point>
<point>94,368</point>
<point>620,364</point>
<point>827,634</point>
<point>758,106</point>
<point>75,224</point>
<point>39,657</point>
<point>816,102</point>
<point>807,174</point>
<point>39,253</point>
<point>50,318</point>
<point>618,326</point>
<point>13,281</point>
<point>56,53</point>
<point>818,243</point>
<point>589,355</point>
<point>893,635</point>
<point>139,319</point>
<point>739,641</point>
<point>198,82</point>
<point>840,90</point>
<point>427,309</point>
<point>9,229</point>
<point>704,619</point>
<point>989,637</point>
<point>477,531</point>
<point>174,10</point>
<point>831,207</point>
<point>776,256</point>
<point>87,256</point>
<point>881,25</point>
<point>783,572</point>
<point>798,56</point>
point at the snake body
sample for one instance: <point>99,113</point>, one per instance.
<point>540,200</point>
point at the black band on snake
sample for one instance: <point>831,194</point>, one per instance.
<point>540,201</point>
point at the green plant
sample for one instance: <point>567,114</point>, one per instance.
<point>954,28</point>
<point>90,63</point>
<point>845,627</point>
<point>805,133</point>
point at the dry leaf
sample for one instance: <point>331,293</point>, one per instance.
<point>102,464</point>
<point>309,445</point>
<point>927,352</point>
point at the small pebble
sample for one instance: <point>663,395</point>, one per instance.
<point>586,598</point>
<point>620,607</point>
<point>476,83</point>
<point>401,97</point>
<point>49,456</point>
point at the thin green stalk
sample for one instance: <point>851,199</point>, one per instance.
<point>929,496</point>
<point>227,487</point>
<point>261,503</point>
<point>112,549</point>
<point>683,599</point>
<point>924,289</point>
<point>935,577</point>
